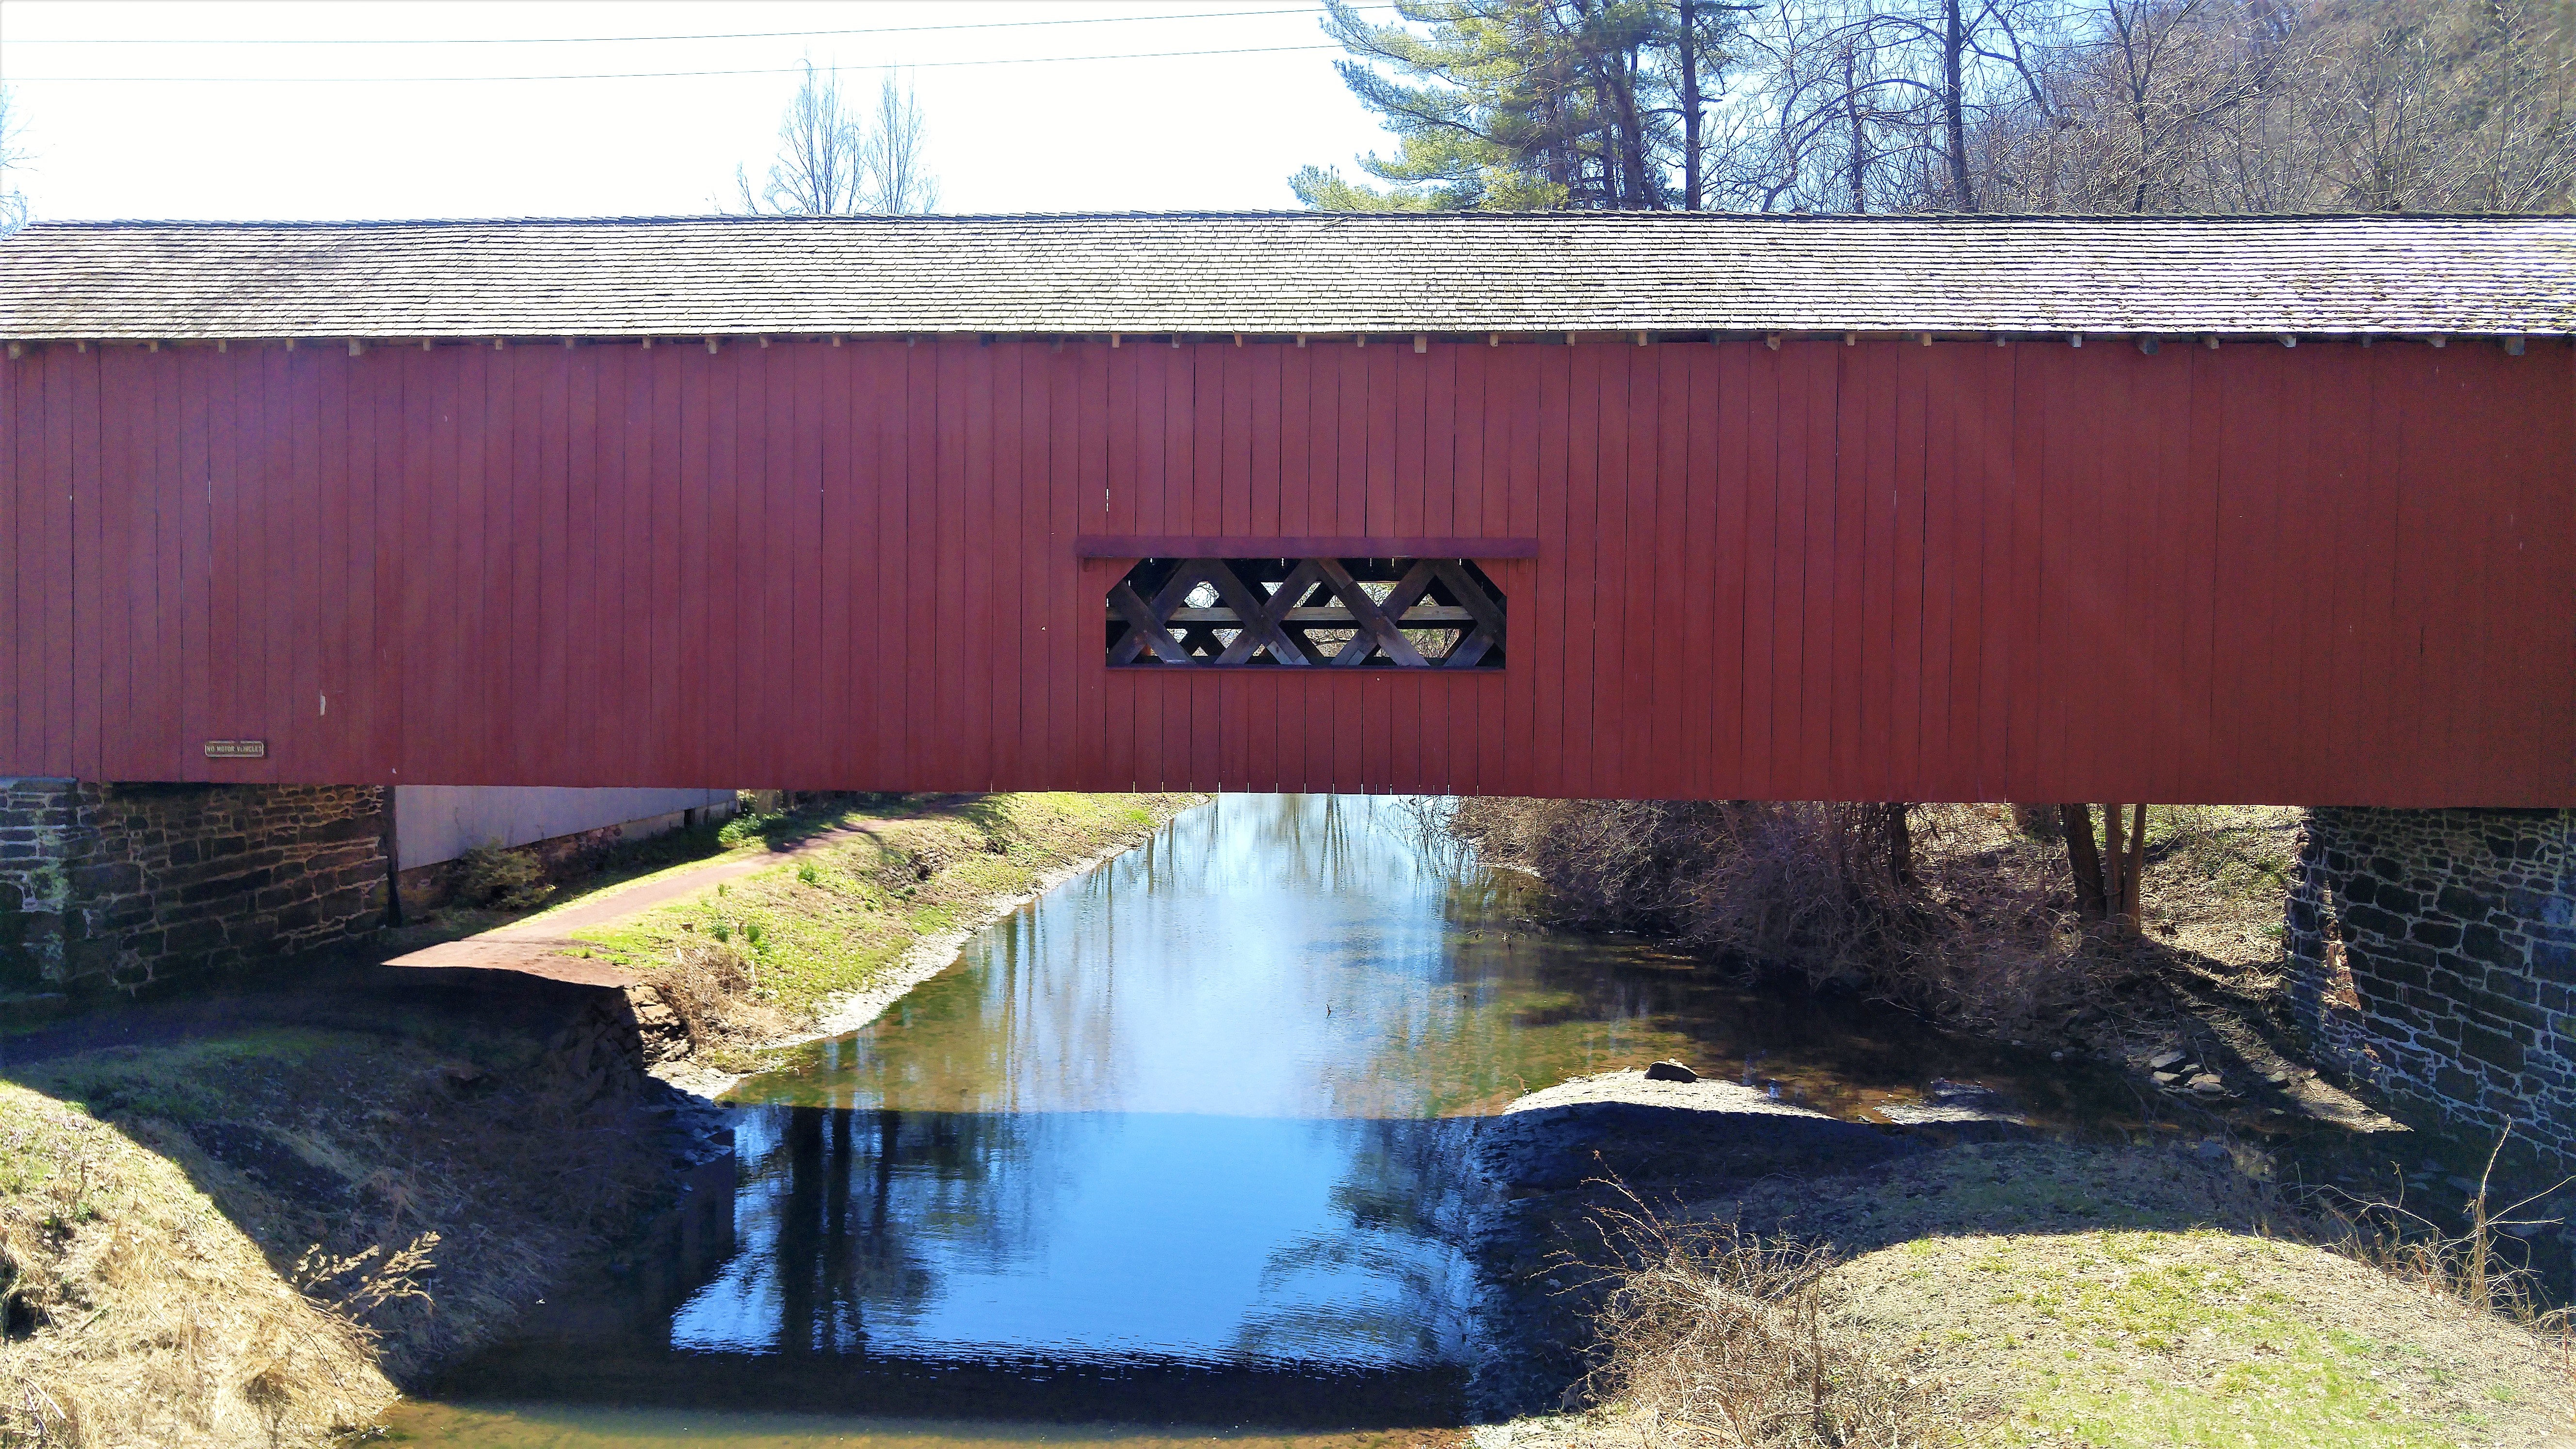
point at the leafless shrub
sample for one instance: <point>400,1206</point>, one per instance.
<point>713,987</point>
<point>1709,1334</point>
<point>2469,1263</point>
<point>1974,929</point>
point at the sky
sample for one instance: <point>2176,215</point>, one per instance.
<point>310,111</point>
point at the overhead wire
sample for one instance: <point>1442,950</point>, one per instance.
<point>657,74</point>
<point>653,39</point>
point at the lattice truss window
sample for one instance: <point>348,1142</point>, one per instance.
<point>1406,613</point>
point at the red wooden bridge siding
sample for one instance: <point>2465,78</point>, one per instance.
<point>2036,572</point>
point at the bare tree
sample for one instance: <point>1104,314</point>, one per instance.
<point>894,179</point>
<point>13,157</point>
<point>832,161</point>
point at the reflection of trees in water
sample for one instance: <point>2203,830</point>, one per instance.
<point>834,1208</point>
<point>1390,1282</point>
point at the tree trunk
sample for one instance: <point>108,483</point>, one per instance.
<point>1859,136</point>
<point>1691,104</point>
<point>1900,845</point>
<point>2084,858</point>
<point>1954,105</point>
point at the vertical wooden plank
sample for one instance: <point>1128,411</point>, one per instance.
<point>1231,372</point>
<point>386,643</point>
<point>1936,396</point>
<point>1979,722</point>
<point>1622,685</point>
<point>152,579</point>
<point>1440,395</point>
<point>1906,774</point>
<point>226,379</point>
<point>1512,432</point>
<point>764,558</point>
<point>790,553</point>
<point>1408,468</point>
<point>1297,475</point>
<point>1609,703</point>
<point>330,709</point>
<point>2479,471</point>
<point>81,731</point>
<point>1865,761</point>
<point>893,411</point>
<point>966,524</point>
<point>655,407</point>
<point>621,727</point>
<point>596,525</point>
<point>1766,553</point>
<point>1025,605</point>
<point>279,549</point>
<point>561,630</point>
<point>1351,442</point>
<point>2175,523</point>
<point>1080,423</point>
<point>119,431</point>
<point>1809,396</point>
<point>1672,635</point>
<point>2020,687</point>
<point>1713,580</point>
<point>19,687</point>
<point>1010,618</point>
<point>858,393</point>
<point>823,414</point>
<point>1459,503</point>
<point>1573,661</point>
<point>1267,386</point>
<point>1856,462</point>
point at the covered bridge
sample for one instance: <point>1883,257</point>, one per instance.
<point>1636,505</point>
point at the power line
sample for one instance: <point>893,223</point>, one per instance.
<point>652,74</point>
<point>646,39</point>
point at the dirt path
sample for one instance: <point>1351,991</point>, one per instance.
<point>545,946</point>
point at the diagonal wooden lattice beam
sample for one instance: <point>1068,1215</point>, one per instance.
<point>1376,630</point>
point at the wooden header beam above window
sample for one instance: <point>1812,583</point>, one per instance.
<point>1177,546</point>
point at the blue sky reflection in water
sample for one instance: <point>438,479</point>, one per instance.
<point>1164,1113</point>
<point>1177,1144</point>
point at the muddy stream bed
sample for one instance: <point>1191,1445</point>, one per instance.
<point>1172,1153</point>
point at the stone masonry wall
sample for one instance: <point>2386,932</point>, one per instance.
<point>2433,956</point>
<point>128,886</point>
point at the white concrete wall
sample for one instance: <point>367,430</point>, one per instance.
<point>441,822</point>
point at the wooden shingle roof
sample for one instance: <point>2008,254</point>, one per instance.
<point>1277,273</point>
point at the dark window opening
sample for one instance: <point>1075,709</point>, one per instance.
<point>1335,613</point>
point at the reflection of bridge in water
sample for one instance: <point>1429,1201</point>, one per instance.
<point>1678,506</point>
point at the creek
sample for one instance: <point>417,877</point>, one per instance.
<point>1170,1153</point>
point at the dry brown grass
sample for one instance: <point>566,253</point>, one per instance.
<point>140,1315</point>
<point>1711,1335</point>
<point>295,1217</point>
<point>714,988</point>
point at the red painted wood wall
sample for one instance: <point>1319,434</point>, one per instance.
<point>2333,574</point>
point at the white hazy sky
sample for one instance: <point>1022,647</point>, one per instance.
<point>199,110</point>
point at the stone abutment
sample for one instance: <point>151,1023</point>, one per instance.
<point>2433,958</point>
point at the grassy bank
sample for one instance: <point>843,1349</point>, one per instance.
<point>2109,1297</point>
<point>254,1237</point>
<point>762,955</point>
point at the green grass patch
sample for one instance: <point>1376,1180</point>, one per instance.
<point>831,921</point>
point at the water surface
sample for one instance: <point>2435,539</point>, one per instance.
<point>1173,1148</point>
